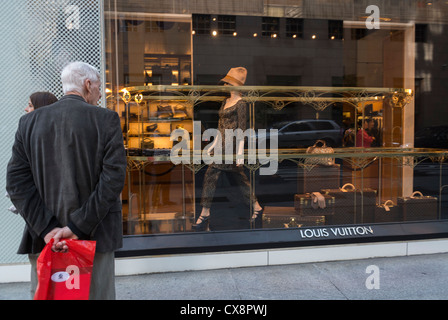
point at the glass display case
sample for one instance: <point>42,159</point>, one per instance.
<point>158,194</point>
<point>312,156</point>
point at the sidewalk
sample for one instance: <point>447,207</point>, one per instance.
<point>400,278</point>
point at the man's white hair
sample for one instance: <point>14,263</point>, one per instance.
<point>74,75</point>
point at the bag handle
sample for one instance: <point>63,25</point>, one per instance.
<point>324,144</point>
<point>388,204</point>
<point>346,185</point>
<point>418,193</point>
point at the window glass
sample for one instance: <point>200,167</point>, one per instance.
<point>297,127</point>
<point>270,26</point>
<point>350,106</point>
<point>294,28</point>
<point>227,25</point>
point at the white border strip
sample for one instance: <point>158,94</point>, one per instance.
<point>237,259</point>
<point>15,273</point>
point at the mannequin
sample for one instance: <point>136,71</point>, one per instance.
<point>232,115</point>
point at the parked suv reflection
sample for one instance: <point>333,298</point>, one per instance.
<point>304,133</point>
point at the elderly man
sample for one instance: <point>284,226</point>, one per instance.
<point>66,174</point>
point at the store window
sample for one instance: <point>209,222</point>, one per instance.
<point>421,32</point>
<point>270,27</point>
<point>294,28</point>
<point>335,29</point>
<point>227,25</point>
<point>340,117</point>
<point>202,24</point>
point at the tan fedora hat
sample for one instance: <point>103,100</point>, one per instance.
<point>236,76</point>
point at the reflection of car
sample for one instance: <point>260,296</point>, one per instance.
<point>432,137</point>
<point>304,133</point>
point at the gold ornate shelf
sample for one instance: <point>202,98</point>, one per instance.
<point>357,157</point>
<point>276,96</point>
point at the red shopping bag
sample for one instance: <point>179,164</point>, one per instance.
<point>65,276</point>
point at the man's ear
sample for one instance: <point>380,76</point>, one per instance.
<point>87,85</point>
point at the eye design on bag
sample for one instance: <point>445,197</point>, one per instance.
<point>60,276</point>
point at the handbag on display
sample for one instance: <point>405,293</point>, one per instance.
<point>151,127</point>
<point>286,217</point>
<point>352,205</point>
<point>180,112</point>
<point>418,207</point>
<point>314,204</point>
<point>135,152</point>
<point>164,112</point>
<point>323,149</point>
<point>388,212</point>
<point>147,143</point>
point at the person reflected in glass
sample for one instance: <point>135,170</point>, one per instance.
<point>232,115</point>
<point>363,137</point>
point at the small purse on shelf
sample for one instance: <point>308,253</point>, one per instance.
<point>165,112</point>
<point>323,149</point>
<point>147,143</point>
<point>151,127</point>
<point>180,112</point>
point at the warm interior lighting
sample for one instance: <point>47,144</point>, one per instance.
<point>313,36</point>
<point>214,33</point>
<point>332,37</point>
<point>138,98</point>
<point>234,34</point>
<point>126,95</point>
<point>381,18</point>
<point>294,36</point>
<point>255,34</point>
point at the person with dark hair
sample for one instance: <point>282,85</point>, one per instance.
<point>36,100</point>
<point>66,173</point>
<point>363,137</point>
<point>40,99</point>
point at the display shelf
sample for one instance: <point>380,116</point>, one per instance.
<point>356,160</point>
<point>412,156</point>
<point>318,97</point>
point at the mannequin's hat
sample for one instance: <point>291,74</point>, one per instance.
<point>236,76</point>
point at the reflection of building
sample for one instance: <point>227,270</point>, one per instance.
<point>325,20</point>
<point>178,43</point>
<point>142,49</point>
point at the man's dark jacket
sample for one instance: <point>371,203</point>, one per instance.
<point>68,168</point>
